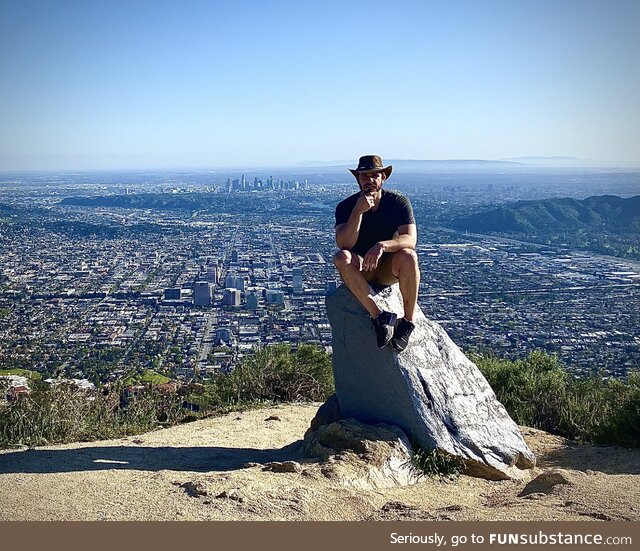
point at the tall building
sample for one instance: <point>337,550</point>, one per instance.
<point>252,301</point>
<point>275,298</point>
<point>202,293</point>
<point>234,282</point>
<point>231,297</point>
<point>297,281</point>
<point>240,283</point>
<point>234,255</point>
<point>211,275</point>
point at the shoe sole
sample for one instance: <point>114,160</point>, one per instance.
<point>394,344</point>
<point>397,348</point>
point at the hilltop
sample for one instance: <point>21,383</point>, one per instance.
<point>605,212</point>
<point>605,224</point>
<point>197,471</point>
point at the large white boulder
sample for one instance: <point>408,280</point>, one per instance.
<point>431,390</point>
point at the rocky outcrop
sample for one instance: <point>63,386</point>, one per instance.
<point>327,413</point>
<point>546,481</point>
<point>432,391</point>
<point>362,456</point>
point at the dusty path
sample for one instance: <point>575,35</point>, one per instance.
<point>197,471</point>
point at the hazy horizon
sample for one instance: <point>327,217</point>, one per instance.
<point>535,163</point>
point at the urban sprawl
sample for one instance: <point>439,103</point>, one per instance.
<point>192,300</point>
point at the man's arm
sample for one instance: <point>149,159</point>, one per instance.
<point>406,239</point>
<point>347,234</point>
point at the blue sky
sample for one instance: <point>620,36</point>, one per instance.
<point>185,84</point>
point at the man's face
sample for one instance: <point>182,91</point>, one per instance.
<point>370,182</point>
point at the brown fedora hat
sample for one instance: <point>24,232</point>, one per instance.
<point>371,163</point>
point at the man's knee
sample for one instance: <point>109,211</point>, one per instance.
<point>342,258</point>
<point>406,259</point>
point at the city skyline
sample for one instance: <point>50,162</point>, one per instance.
<point>151,85</point>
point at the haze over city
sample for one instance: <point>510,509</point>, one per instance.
<point>131,85</point>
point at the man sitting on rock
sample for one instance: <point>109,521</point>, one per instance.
<point>376,232</point>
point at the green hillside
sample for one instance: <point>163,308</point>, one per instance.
<point>605,224</point>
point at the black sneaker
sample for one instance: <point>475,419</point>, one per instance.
<point>402,333</point>
<point>383,325</point>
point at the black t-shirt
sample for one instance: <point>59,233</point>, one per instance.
<point>393,211</point>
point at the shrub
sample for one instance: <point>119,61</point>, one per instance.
<point>537,391</point>
<point>436,462</point>
<point>277,374</point>
<point>622,422</point>
<point>531,390</point>
<point>66,414</point>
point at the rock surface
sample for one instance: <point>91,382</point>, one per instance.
<point>327,413</point>
<point>545,482</point>
<point>432,391</point>
<point>362,456</point>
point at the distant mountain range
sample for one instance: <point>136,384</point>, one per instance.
<point>416,163</point>
<point>605,212</point>
<point>545,160</point>
<point>457,164</point>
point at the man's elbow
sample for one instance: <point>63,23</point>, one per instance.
<point>342,245</point>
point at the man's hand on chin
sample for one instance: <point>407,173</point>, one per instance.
<point>364,202</point>
<point>370,261</point>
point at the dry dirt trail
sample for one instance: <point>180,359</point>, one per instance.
<point>198,471</point>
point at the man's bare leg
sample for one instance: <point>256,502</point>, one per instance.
<point>348,265</point>
<point>404,263</point>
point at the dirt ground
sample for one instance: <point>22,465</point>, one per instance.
<point>213,470</point>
